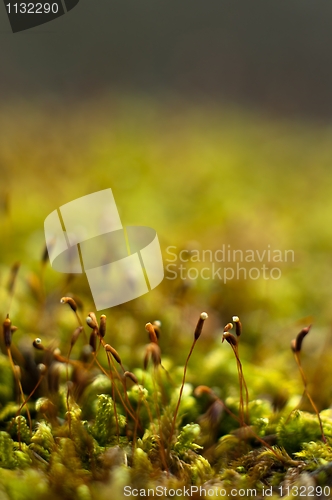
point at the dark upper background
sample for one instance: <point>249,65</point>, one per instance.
<point>276,55</point>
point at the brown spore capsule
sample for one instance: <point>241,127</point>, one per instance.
<point>13,275</point>
<point>228,327</point>
<point>76,335</point>
<point>114,353</point>
<point>131,376</point>
<point>71,302</point>
<point>230,338</point>
<point>91,321</point>
<point>37,344</point>
<point>198,330</point>
<point>156,326</point>
<point>7,333</point>
<point>153,352</point>
<point>102,325</point>
<point>202,389</point>
<point>300,337</point>
<point>238,325</point>
<point>152,334</point>
<point>93,340</point>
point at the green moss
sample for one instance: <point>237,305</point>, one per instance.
<point>299,428</point>
<point>7,454</point>
<point>186,440</point>
<point>104,427</point>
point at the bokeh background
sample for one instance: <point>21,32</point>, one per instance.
<point>211,122</point>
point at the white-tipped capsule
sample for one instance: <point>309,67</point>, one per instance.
<point>42,368</point>
<point>37,343</point>
<point>238,325</point>
<point>91,321</point>
<point>199,326</point>
<point>71,302</point>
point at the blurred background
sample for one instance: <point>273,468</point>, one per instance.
<point>211,122</point>
<point>273,56</point>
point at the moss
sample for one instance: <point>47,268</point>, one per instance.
<point>104,426</point>
<point>97,429</point>
<point>7,454</point>
<point>19,429</point>
<point>299,428</point>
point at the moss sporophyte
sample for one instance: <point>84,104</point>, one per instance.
<point>84,423</point>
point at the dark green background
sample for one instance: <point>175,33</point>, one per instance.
<point>275,55</point>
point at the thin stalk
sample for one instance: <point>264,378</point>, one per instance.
<point>198,331</point>
<point>181,391</point>
<point>20,388</point>
<point>305,383</point>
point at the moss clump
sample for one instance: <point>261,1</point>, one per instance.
<point>105,424</point>
<point>296,430</point>
<point>93,426</point>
